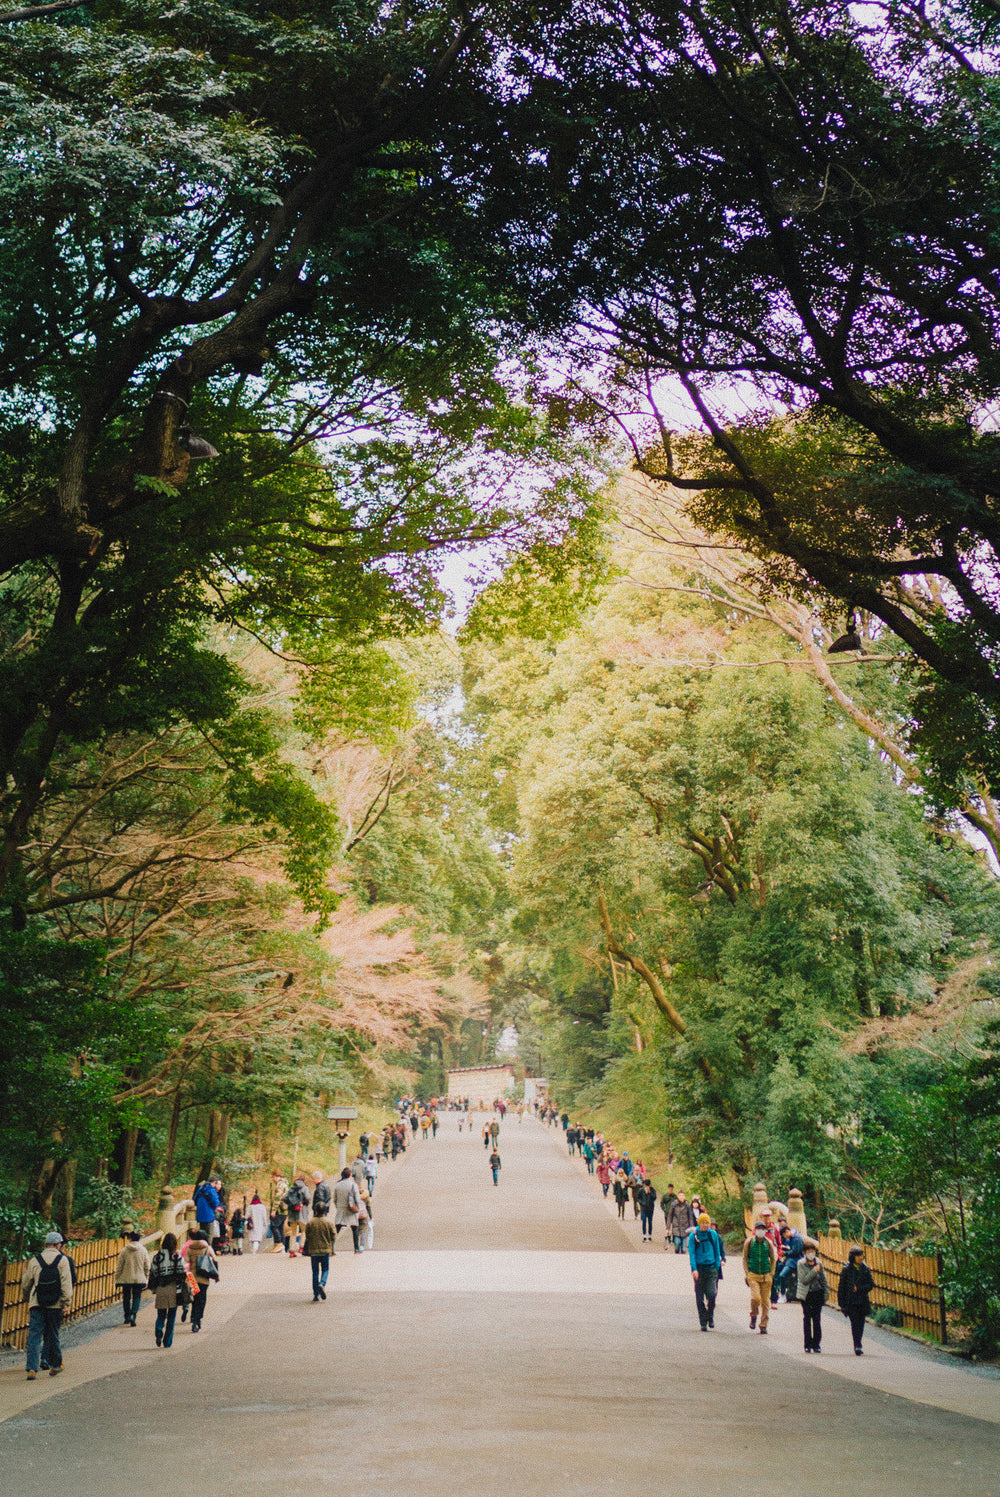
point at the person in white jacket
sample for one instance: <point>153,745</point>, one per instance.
<point>257,1221</point>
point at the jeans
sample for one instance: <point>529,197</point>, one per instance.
<point>812,1310</point>
<point>321,1271</point>
<point>647,1221</point>
<point>705,1288</point>
<point>604,1186</point>
<point>590,1166</point>
<point>131,1297</point>
<point>165,1325</point>
<point>678,1244</point>
<point>198,1305</point>
<point>43,1337</point>
<point>496,1174</point>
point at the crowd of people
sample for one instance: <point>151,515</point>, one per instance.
<point>304,1218</point>
<point>779,1263</point>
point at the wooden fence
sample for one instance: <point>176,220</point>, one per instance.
<point>907,1281</point>
<point>95,1286</point>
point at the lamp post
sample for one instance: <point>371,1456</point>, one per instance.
<point>342,1115</point>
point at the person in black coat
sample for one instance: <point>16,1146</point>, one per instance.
<point>853,1294</point>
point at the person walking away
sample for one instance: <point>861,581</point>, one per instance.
<point>434,1125</point>
<point>257,1222</point>
<point>322,1195</point>
<point>680,1220</point>
<point>760,1258</point>
<point>811,1291</point>
<point>131,1273</point>
<point>363,1144</point>
<point>705,1254</point>
<point>347,1205</point>
<point>47,1285</point>
<point>296,1201</point>
<point>854,1295</point>
<point>169,1286</point>
<point>318,1247</point>
<point>647,1205</point>
<point>205,1267</point>
<point>371,1173</point>
<point>494,1163</point>
<point>207,1203</point>
<point>278,1211</point>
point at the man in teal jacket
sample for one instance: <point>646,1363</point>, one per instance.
<point>705,1253</point>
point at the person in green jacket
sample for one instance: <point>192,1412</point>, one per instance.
<point>759,1260</point>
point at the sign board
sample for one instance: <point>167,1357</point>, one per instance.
<point>341,1114</point>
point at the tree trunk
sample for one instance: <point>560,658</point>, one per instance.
<point>64,1206</point>
<point>175,1122</point>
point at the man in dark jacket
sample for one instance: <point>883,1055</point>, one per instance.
<point>647,1204</point>
<point>680,1220</point>
<point>854,1294</point>
<point>322,1194</point>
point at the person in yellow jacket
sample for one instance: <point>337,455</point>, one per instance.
<point>759,1260</point>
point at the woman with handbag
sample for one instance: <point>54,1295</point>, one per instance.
<point>168,1281</point>
<point>204,1265</point>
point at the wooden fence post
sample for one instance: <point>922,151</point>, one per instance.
<point>943,1308</point>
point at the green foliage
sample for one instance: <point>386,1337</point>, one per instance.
<point>107,1206</point>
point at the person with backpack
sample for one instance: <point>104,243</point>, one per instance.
<point>47,1285</point>
<point>131,1273</point>
<point>705,1254</point>
<point>296,1204</point>
<point>207,1202</point>
<point>169,1285</point>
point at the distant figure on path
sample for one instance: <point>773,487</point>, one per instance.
<point>759,1260</point>
<point>494,1163</point>
<point>647,1205</point>
<point>853,1294</point>
<point>371,1173</point>
<point>604,1175</point>
<point>680,1220</point>
<point>621,1193</point>
<point>486,1135</point>
<point>346,1205</point>
<point>257,1218</point>
<point>494,1132</point>
<point>131,1273</point>
<point>47,1285</point>
<point>812,1292</point>
<point>705,1253</point>
<point>205,1267</point>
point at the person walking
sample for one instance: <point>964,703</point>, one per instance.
<point>705,1254</point>
<point>257,1221</point>
<point>854,1295</point>
<point>296,1204</point>
<point>207,1204</point>
<point>486,1135</point>
<point>494,1163</point>
<point>47,1285</point>
<point>347,1205</point>
<point>169,1286</point>
<point>647,1205</point>
<point>318,1247</point>
<point>621,1193</point>
<point>759,1260</point>
<point>205,1267</point>
<point>494,1132</point>
<point>680,1220</point>
<point>371,1173</point>
<point>322,1194</point>
<point>604,1175</point>
<point>812,1292</point>
<point>131,1273</point>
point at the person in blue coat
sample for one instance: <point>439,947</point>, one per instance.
<point>705,1253</point>
<point>206,1206</point>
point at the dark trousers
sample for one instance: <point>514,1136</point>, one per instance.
<point>354,1234</point>
<point>165,1325</point>
<point>198,1304</point>
<point>131,1297</point>
<point>44,1325</point>
<point>321,1270</point>
<point>857,1319</point>
<point>812,1310</point>
<point>647,1222</point>
<point>705,1289</point>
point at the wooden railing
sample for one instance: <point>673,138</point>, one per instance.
<point>95,1284</point>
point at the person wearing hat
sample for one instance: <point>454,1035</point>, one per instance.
<point>705,1254</point>
<point>47,1285</point>
<point>759,1259</point>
